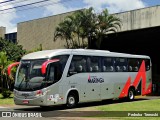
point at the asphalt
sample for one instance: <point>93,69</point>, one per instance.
<point>137,98</point>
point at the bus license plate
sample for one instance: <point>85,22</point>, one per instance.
<point>25,101</point>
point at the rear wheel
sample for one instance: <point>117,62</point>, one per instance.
<point>131,95</point>
<point>71,101</point>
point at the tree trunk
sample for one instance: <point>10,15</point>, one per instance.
<point>67,43</point>
<point>79,41</point>
<point>89,42</point>
<point>82,42</point>
<point>72,42</point>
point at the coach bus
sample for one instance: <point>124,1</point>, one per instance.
<point>72,76</point>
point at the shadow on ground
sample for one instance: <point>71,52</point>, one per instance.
<point>82,105</point>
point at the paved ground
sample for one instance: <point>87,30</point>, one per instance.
<point>2,107</point>
<point>63,113</point>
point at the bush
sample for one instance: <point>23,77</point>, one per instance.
<point>6,93</point>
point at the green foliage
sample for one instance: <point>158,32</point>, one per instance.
<point>13,51</point>
<point>139,105</point>
<point>10,53</point>
<point>106,24</point>
<point>6,93</point>
<point>84,26</point>
<point>5,81</point>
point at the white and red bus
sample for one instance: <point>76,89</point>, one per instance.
<point>71,76</point>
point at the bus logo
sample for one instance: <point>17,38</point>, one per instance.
<point>25,94</point>
<point>95,79</point>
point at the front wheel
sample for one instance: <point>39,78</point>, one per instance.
<point>71,101</point>
<point>131,95</point>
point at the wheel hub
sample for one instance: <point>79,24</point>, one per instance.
<point>71,100</point>
<point>131,95</point>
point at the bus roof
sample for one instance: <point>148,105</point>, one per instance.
<point>50,53</point>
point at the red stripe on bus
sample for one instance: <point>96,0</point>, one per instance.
<point>149,89</point>
<point>44,65</point>
<point>141,75</point>
<point>125,89</point>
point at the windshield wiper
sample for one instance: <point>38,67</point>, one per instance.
<point>21,82</point>
<point>27,81</point>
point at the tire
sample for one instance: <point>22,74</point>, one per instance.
<point>131,94</point>
<point>71,101</point>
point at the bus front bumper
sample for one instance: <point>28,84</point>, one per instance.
<point>38,101</point>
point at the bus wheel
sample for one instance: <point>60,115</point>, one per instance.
<point>71,101</point>
<point>130,96</point>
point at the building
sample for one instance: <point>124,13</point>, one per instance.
<point>31,34</point>
<point>2,32</point>
<point>12,37</point>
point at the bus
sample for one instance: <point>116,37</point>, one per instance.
<point>72,76</point>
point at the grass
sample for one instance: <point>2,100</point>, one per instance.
<point>145,105</point>
<point>6,101</point>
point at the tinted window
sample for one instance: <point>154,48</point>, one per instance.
<point>133,65</point>
<point>147,64</point>
<point>94,64</point>
<point>108,64</point>
<point>54,72</point>
<point>121,64</point>
<point>63,60</point>
<point>78,64</point>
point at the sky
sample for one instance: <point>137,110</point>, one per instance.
<point>11,14</point>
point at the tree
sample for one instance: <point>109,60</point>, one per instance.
<point>13,51</point>
<point>106,23</point>
<point>75,28</point>
<point>64,31</point>
<point>85,24</point>
<point>4,79</point>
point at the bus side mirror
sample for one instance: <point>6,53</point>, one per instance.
<point>11,66</point>
<point>45,64</point>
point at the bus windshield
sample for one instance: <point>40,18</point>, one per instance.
<point>29,76</point>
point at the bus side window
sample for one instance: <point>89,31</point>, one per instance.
<point>121,65</point>
<point>133,65</point>
<point>51,73</point>
<point>94,64</point>
<point>78,65</point>
<point>107,64</point>
<point>147,64</point>
<point>63,60</point>
<point>54,73</point>
<point>89,68</point>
